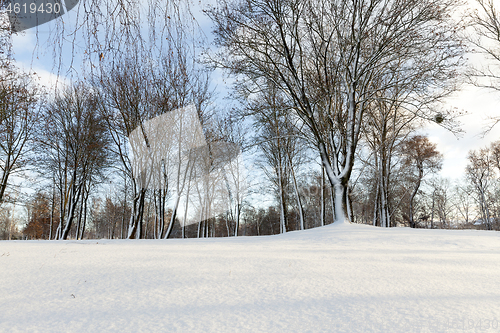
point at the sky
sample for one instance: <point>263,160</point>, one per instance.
<point>479,104</point>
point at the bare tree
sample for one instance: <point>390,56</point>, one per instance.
<point>386,128</point>
<point>136,92</point>
<point>442,201</point>
<point>73,142</point>
<point>126,102</point>
<point>463,202</point>
<point>280,145</point>
<point>39,217</point>
<point>8,225</point>
<point>19,99</point>
<point>421,159</point>
<point>326,57</point>
<point>480,173</point>
<point>495,154</point>
<point>231,140</point>
<point>485,22</point>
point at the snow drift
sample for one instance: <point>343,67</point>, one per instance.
<point>338,278</point>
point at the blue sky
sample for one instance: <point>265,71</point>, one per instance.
<point>480,104</point>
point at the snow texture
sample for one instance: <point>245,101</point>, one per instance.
<point>338,278</point>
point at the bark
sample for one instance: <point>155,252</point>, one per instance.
<point>79,221</point>
<point>173,217</point>
<point>332,202</point>
<point>323,205</point>
<point>84,214</point>
<point>413,194</point>
<point>5,175</point>
<point>73,202</point>
<point>135,224</point>
<point>233,204</point>
<point>237,227</point>
<point>185,215</point>
<point>282,204</point>
<point>338,182</point>
<point>297,197</point>
<point>348,204</point>
<point>52,210</point>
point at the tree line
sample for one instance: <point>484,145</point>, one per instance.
<point>322,125</point>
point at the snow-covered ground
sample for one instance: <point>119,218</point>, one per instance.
<point>339,278</point>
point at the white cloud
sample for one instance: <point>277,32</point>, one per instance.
<point>480,104</point>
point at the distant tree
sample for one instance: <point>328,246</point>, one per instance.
<point>443,201</point>
<point>481,174</point>
<point>495,154</point>
<point>39,218</point>
<point>73,142</point>
<point>231,140</point>
<point>421,158</point>
<point>8,225</point>
<point>281,147</point>
<point>107,220</point>
<point>463,202</point>
<point>387,127</point>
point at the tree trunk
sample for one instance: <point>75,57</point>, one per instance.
<point>134,230</point>
<point>323,206</point>
<point>432,210</point>
<point>79,220</point>
<point>84,215</point>
<point>172,218</point>
<point>52,210</point>
<point>282,204</point>
<point>412,221</point>
<point>5,177</point>
<point>297,197</point>
<point>73,201</point>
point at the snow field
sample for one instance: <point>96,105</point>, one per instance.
<point>339,278</point>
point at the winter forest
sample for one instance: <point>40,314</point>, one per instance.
<point>178,119</point>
